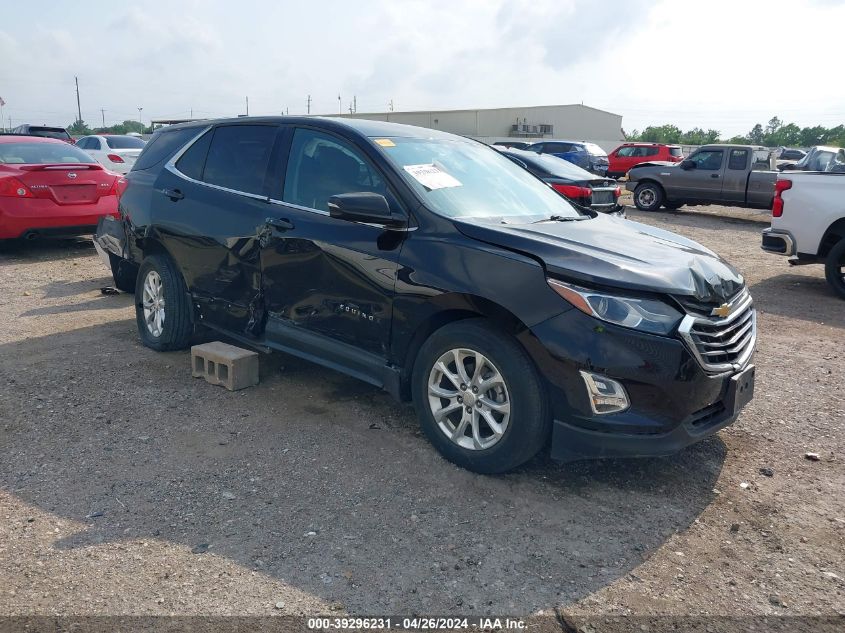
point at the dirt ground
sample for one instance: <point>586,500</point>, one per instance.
<point>128,487</point>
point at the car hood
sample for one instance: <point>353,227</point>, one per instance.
<point>610,251</point>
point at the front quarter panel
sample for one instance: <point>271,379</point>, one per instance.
<point>443,272</point>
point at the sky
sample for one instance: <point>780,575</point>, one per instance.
<point>721,64</point>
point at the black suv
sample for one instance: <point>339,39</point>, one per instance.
<point>432,266</point>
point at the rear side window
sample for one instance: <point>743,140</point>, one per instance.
<point>651,151</point>
<point>675,151</point>
<point>559,148</point>
<point>238,157</point>
<point>192,161</point>
<point>163,145</point>
<point>125,142</point>
<point>738,159</point>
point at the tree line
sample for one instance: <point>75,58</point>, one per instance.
<point>80,128</point>
<point>774,134</point>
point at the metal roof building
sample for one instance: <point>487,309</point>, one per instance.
<point>573,122</point>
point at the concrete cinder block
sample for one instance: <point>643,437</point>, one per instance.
<point>222,364</point>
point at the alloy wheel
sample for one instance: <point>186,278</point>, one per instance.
<point>469,399</point>
<point>153,303</point>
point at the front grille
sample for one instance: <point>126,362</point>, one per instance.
<point>721,343</point>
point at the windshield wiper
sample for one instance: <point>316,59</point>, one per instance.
<point>560,218</point>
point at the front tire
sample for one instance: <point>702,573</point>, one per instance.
<point>479,398</point>
<point>673,206</point>
<point>648,196</point>
<point>834,268</point>
<point>162,309</point>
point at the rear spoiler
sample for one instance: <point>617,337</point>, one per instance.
<point>59,166</point>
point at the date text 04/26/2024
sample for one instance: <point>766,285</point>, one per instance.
<point>416,623</point>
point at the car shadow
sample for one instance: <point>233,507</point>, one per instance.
<point>43,249</point>
<point>803,294</point>
<point>320,482</point>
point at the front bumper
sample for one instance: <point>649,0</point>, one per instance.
<point>779,242</point>
<point>674,402</point>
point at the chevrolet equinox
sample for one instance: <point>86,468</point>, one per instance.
<point>433,267</point>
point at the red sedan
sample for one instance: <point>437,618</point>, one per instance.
<point>48,187</point>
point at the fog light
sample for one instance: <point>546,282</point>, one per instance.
<point>606,395</point>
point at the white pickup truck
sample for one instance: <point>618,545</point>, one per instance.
<point>808,222</point>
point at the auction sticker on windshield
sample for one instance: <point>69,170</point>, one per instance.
<point>431,177</point>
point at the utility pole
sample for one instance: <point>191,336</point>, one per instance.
<point>139,116</point>
<point>339,104</point>
<point>192,113</point>
<point>309,104</point>
<point>354,103</point>
<point>103,112</point>
<point>78,107</point>
<point>390,105</point>
<point>287,111</point>
<point>247,106</point>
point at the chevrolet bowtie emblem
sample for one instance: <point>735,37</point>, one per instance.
<point>722,311</point>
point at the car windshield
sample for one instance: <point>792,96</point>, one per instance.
<point>466,179</point>
<point>594,149</point>
<point>553,165</point>
<point>42,153</point>
<point>50,132</point>
<point>124,142</point>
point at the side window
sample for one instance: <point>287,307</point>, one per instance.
<point>738,159</point>
<point>192,161</point>
<point>82,143</point>
<point>626,152</point>
<point>557,148</point>
<point>708,159</point>
<point>238,157</point>
<point>163,145</point>
<point>321,166</point>
<point>650,151</point>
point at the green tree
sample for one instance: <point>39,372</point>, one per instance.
<point>756,135</point>
<point>79,128</point>
<point>662,134</point>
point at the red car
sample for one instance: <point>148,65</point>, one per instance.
<point>628,155</point>
<point>49,187</point>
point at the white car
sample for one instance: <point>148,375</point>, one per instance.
<point>116,152</point>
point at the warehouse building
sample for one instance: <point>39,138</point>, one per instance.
<point>573,122</point>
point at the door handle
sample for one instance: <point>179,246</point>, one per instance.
<point>173,194</point>
<point>281,224</point>
<point>714,175</point>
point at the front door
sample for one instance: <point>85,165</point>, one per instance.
<point>328,283</point>
<point>704,181</point>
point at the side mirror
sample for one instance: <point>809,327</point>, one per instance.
<point>688,164</point>
<point>363,206</point>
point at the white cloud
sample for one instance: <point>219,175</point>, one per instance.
<point>719,63</point>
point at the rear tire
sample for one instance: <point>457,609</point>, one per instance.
<point>497,387</point>
<point>162,309</point>
<point>124,273</point>
<point>648,196</point>
<point>834,268</point>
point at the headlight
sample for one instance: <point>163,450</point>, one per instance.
<point>648,315</point>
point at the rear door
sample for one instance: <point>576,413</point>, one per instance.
<point>209,206</point>
<point>704,182</point>
<point>736,175</point>
<point>327,279</point>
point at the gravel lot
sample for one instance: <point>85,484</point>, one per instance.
<point>128,487</point>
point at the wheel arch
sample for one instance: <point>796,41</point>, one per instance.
<point>834,233</point>
<point>456,307</point>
